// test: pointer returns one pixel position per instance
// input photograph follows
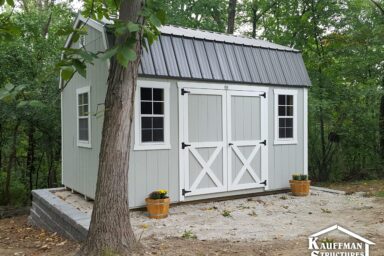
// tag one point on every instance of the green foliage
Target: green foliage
(226, 213)
(188, 234)
(29, 101)
(341, 44)
(202, 14)
(126, 32)
(299, 177)
(159, 194)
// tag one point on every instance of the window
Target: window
(285, 116)
(152, 115)
(83, 117)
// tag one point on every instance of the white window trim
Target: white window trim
(152, 145)
(82, 143)
(282, 141)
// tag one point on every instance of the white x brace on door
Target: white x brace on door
(223, 140)
(247, 140)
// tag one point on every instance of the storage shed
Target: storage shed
(216, 115)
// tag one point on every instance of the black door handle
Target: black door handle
(230, 144)
(183, 145)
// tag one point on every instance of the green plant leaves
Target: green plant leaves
(11, 3)
(133, 27)
(125, 54)
(109, 53)
(67, 73)
(31, 103)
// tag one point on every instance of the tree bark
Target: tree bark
(11, 165)
(31, 155)
(231, 16)
(254, 21)
(110, 230)
(1, 146)
(381, 126)
(51, 161)
(38, 170)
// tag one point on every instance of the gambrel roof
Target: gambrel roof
(191, 54)
(201, 55)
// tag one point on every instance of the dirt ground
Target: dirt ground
(260, 218)
(19, 239)
(268, 225)
(370, 187)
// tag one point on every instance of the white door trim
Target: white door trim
(233, 149)
(184, 153)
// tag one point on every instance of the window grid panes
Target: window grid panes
(83, 114)
(285, 116)
(152, 114)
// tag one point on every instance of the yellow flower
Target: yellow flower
(163, 191)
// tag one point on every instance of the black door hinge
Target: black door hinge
(183, 191)
(183, 91)
(264, 142)
(264, 182)
(263, 95)
(183, 145)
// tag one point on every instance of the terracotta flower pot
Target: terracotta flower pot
(300, 187)
(157, 208)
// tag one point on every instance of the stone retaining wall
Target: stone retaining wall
(53, 214)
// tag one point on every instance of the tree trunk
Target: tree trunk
(38, 170)
(51, 161)
(110, 230)
(323, 172)
(231, 16)
(31, 155)
(11, 165)
(1, 146)
(254, 21)
(381, 126)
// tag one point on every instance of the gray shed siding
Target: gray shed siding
(155, 169)
(80, 164)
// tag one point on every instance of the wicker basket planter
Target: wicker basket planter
(158, 204)
(157, 208)
(300, 187)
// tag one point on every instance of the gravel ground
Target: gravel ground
(263, 218)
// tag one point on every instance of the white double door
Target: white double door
(223, 137)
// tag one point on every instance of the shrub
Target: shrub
(297, 176)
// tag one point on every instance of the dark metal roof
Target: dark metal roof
(201, 55)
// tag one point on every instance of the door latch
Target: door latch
(264, 182)
(264, 95)
(183, 145)
(183, 91)
(264, 142)
(183, 191)
(230, 144)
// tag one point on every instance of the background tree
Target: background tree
(29, 99)
(203, 14)
(231, 16)
(341, 48)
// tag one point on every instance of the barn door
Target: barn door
(247, 139)
(203, 146)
